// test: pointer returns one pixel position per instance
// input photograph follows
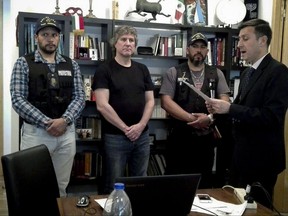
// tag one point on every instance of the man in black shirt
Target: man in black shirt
(125, 99)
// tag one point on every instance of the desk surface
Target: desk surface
(67, 205)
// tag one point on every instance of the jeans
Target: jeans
(62, 150)
(121, 153)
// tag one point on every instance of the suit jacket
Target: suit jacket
(258, 119)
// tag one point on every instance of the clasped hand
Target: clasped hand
(134, 131)
(202, 121)
(56, 127)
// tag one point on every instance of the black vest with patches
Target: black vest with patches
(50, 92)
(186, 97)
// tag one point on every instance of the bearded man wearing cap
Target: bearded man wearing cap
(191, 122)
(47, 92)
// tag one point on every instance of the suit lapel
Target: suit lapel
(256, 75)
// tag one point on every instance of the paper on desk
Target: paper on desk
(101, 202)
(218, 207)
(204, 96)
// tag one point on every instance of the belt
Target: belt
(27, 122)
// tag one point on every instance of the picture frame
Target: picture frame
(196, 12)
(84, 133)
(152, 138)
(156, 79)
(252, 9)
(83, 53)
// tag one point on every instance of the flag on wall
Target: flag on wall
(77, 19)
(199, 18)
(180, 8)
(77, 24)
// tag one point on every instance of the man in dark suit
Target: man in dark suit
(258, 114)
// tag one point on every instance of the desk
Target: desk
(67, 205)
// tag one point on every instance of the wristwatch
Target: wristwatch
(67, 120)
(210, 116)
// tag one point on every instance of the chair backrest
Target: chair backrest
(30, 182)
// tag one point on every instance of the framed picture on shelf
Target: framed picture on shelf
(83, 53)
(196, 12)
(84, 133)
(156, 79)
(152, 138)
(252, 9)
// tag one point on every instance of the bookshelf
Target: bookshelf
(223, 48)
(168, 42)
(88, 163)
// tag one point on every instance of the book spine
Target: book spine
(209, 55)
(71, 45)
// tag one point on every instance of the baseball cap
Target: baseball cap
(46, 22)
(197, 36)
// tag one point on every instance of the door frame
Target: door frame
(280, 31)
(277, 49)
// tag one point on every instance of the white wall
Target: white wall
(102, 9)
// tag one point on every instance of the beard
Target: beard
(48, 49)
(196, 60)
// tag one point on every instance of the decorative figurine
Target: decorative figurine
(57, 11)
(149, 7)
(90, 15)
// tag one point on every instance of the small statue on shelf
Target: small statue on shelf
(150, 7)
(84, 133)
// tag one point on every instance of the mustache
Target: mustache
(199, 53)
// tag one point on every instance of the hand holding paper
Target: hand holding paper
(218, 106)
(205, 97)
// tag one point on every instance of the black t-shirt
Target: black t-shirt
(127, 86)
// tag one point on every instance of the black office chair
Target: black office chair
(30, 181)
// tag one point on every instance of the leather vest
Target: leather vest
(186, 97)
(190, 100)
(50, 92)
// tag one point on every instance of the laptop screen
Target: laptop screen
(161, 195)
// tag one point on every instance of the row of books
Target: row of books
(158, 111)
(236, 55)
(87, 165)
(174, 45)
(235, 52)
(216, 51)
(87, 46)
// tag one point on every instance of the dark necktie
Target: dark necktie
(246, 80)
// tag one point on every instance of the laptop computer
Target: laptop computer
(161, 195)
